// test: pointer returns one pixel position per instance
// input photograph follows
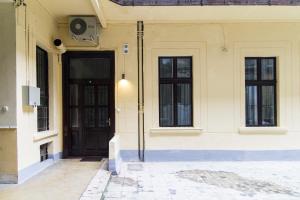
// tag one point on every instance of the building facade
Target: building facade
(197, 84)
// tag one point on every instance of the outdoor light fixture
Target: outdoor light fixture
(123, 76)
(123, 82)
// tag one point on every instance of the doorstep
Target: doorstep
(98, 184)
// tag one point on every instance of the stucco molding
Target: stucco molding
(44, 135)
(184, 131)
(263, 130)
(282, 51)
(196, 49)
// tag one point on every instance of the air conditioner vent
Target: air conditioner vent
(83, 28)
(78, 26)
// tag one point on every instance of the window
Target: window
(175, 91)
(42, 83)
(260, 76)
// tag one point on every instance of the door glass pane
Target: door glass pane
(89, 117)
(184, 66)
(166, 105)
(89, 95)
(74, 95)
(166, 68)
(267, 69)
(90, 68)
(251, 106)
(184, 105)
(103, 117)
(74, 116)
(268, 105)
(251, 69)
(102, 95)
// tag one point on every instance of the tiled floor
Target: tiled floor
(206, 181)
(65, 180)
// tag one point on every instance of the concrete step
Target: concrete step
(98, 184)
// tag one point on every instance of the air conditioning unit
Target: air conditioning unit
(83, 28)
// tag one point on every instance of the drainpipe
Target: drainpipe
(140, 57)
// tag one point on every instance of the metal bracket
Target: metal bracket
(18, 3)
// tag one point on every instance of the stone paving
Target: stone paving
(96, 187)
(206, 181)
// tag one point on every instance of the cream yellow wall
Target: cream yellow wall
(218, 82)
(40, 30)
(113, 38)
(8, 154)
(8, 64)
(8, 141)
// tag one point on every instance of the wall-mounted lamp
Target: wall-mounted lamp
(123, 76)
(123, 82)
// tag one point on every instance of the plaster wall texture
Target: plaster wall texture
(8, 141)
(218, 79)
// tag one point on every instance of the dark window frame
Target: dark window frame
(175, 81)
(259, 83)
(42, 110)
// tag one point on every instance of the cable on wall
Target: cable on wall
(224, 47)
(18, 4)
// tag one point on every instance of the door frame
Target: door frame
(65, 92)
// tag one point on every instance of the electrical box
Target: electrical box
(31, 96)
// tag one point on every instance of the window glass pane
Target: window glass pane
(251, 69)
(42, 71)
(42, 83)
(267, 69)
(74, 95)
(89, 117)
(89, 98)
(103, 117)
(89, 68)
(102, 95)
(184, 105)
(74, 117)
(166, 105)
(184, 67)
(166, 68)
(44, 101)
(42, 113)
(268, 106)
(251, 106)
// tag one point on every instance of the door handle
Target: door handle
(108, 122)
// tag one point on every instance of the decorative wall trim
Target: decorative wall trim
(263, 130)
(44, 135)
(8, 178)
(56, 156)
(8, 127)
(204, 2)
(186, 131)
(282, 51)
(32, 170)
(213, 155)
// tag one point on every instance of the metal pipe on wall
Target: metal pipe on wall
(140, 57)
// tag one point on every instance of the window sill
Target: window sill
(263, 130)
(176, 131)
(44, 135)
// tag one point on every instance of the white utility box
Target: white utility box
(31, 96)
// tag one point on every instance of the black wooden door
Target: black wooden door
(88, 103)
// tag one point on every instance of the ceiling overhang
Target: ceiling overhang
(204, 2)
